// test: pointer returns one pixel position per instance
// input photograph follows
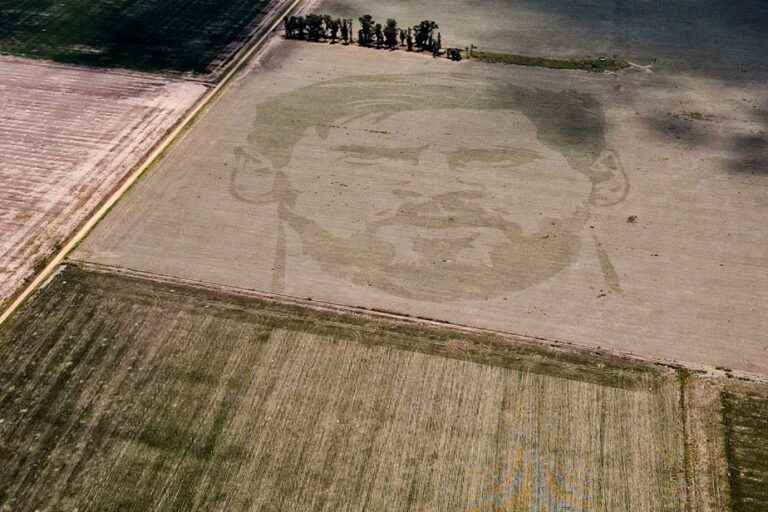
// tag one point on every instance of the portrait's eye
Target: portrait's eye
(364, 160)
(375, 155)
(261, 171)
(248, 163)
(493, 158)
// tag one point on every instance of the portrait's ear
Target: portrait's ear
(250, 177)
(610, 184)
(252, 161)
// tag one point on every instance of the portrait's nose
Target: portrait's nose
(434, 161)
(433, 158)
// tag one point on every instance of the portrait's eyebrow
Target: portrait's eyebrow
(507, 156)
(410, 155)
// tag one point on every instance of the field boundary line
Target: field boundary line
(700, 370)
(246, 53)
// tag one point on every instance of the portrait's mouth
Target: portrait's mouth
(436, 219)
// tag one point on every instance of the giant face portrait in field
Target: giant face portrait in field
(436, 188)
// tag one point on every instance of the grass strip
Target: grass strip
(595, 65)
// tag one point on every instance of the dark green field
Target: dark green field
(746, 445)
(152, 35)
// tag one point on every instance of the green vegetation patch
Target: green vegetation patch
(746, 446)
(595, 65)
(149, 35)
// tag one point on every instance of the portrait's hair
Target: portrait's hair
(568, 122)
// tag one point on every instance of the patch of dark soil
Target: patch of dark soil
(746, 444)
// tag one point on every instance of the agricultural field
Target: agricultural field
(147, 35)
(710, 38)
(121, 392)
(68, 136)
(379, 280)
(621, 210)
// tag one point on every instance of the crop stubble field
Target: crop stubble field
(67, 138)
(123, 392)
(150, 35)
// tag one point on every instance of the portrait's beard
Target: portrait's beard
(445, 248)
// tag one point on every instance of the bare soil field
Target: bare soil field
(147, 35)
(120, 392)
(616, 210)
(67, 138)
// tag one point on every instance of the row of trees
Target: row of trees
(316, 27)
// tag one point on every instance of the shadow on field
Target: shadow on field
(712, 38)
(685, 128)
(746, 150)
(751, 154)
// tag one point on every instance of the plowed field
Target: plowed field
(67, 137)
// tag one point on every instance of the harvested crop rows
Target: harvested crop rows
(67, 138)
(138, 34)
(124, 393)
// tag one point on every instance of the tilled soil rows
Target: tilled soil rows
(67, 137)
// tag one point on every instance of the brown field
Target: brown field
(123, 393)
(67, 137)
(487, 195)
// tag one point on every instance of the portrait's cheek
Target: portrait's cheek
(331, 205)
(549, 190)
(348, 191)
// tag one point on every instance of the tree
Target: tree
(379, 35)
(344, 32)
(390, 34)
(315, 28)
(423, 34)
(333, 26)
(436, 45)
(299, 24)
(365, 35)
(294, 27)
